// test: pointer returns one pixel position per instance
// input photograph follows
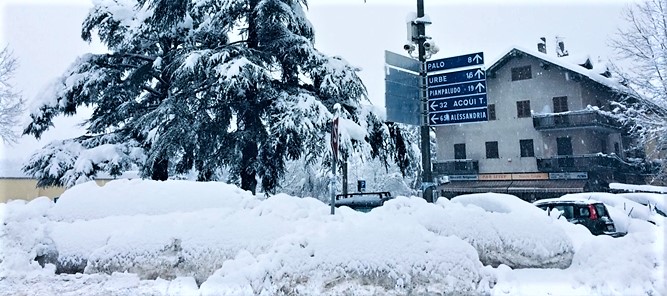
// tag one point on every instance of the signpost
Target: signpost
(461, 61)
(458, 103)
(476, 74)
(456, 96)
(457, 90)
(418, 93)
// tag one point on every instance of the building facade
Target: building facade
(548, 132)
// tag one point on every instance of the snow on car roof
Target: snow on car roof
(566, 200)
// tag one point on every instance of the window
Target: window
(492, 111)
(523, 109)
(492, 150)
(560, 104)
(459, 151)
(603, 146)
(617, 149)
(527, 149)
(564, 145)
(564, 150)
(521, 73)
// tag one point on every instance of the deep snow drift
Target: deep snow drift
(135, 237)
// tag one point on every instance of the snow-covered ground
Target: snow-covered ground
(135, 237)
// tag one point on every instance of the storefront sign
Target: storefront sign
(530, 176)
(494, 177)
(569, 176)
(463, 178)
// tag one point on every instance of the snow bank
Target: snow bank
(173, 236)
(180, 229)
(133, 197)
(336, 258)
(513, 232)
(656, 201)
(24, 236)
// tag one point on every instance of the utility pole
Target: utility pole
(427, 175)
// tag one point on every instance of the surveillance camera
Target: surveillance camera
(434, 49)
(409, 47)
(428, 44)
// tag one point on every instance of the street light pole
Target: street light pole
(427, 176)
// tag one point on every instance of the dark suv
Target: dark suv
(591, 214)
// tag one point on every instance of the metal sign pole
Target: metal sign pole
(427, 176)
(334, 158)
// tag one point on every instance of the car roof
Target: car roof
(580, 201)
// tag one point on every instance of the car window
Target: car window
(584, 212)
(601, 210)
(567, 211)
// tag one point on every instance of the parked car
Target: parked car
(589, 213)
(363, 201)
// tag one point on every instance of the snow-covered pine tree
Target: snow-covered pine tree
(203, 85)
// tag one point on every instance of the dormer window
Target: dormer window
(521, 73)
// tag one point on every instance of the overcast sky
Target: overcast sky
(44, 35)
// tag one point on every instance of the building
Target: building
(16, 185)
(547, 134)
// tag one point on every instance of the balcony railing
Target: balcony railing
(588, 163)
(456, 167)
(577, 119)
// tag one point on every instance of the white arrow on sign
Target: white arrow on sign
(477, 58)
(433, 118)
(479, 74)
(433, 104)
(479, 87)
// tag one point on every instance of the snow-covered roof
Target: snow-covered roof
(638, 188)
(574, 64)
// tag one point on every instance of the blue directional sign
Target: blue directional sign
(457, 90)
(458, 116)
(456, 77)
(449, 104)
(466, 60)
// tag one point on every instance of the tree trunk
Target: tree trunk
(248, 169)
(160, 170)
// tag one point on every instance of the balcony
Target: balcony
(456, 167)
(586, 163)
(577, 119)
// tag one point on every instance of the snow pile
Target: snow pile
(336, 259)
(182, 229)
(19, 246)
(658, 202)
(189, 238)
(517, 234)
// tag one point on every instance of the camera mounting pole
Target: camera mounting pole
(427, 175)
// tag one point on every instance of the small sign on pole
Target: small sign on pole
(334, 138)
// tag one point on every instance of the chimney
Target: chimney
(560, 50)
(542, 46)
